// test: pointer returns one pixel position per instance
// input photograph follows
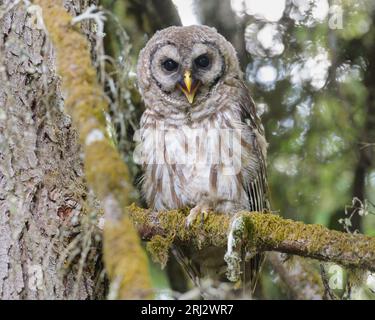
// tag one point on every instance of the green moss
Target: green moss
(212, 231)
(125, 262)
(159, 247)
(271, 231)
(105, 171)
(263, 232)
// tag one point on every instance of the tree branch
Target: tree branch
(264, 232)
(299, 277)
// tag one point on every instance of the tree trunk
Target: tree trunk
(365, 146)
(49, 247)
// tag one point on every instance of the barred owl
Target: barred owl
(202, 143)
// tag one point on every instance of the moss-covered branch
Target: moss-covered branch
(105, 171)
(265, 232)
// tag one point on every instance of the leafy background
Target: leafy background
(310, 65)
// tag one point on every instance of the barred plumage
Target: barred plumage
(202, 143)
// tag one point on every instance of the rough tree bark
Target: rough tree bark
(47, 244)
(105, 171)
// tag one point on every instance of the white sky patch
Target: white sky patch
(238, 6)
(302, 5)
(266, 74)
(271, 10)
(270, 39)
(320, 9)
(312, 69)
(186, 12)
(317, 10)
(304, 109)
(347, 72)
(266, 35)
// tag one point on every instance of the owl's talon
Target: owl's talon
(204, 215)
(192, 216)
(197, 210)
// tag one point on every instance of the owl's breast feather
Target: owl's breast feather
(186, 164)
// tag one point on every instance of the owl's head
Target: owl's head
(182, 66)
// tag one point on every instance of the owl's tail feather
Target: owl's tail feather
(189, 267)
(251, 273)
(210, 264)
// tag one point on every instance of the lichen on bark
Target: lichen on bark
(263, 232)
(105, 171)
(48, 246)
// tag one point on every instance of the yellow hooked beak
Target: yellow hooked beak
(189, 87)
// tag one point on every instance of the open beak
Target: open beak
(189, 86)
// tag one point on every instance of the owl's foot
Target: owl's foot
(201, 210)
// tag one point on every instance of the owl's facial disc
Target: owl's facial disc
(189, 86)
(186, 73)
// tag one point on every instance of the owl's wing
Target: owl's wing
(256, 186)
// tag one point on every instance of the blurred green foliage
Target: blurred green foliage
(311, 71)
(317, 108)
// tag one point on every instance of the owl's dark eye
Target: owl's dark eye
(202, 61)
(170, 65)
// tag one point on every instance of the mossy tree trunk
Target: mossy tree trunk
(49, 247)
